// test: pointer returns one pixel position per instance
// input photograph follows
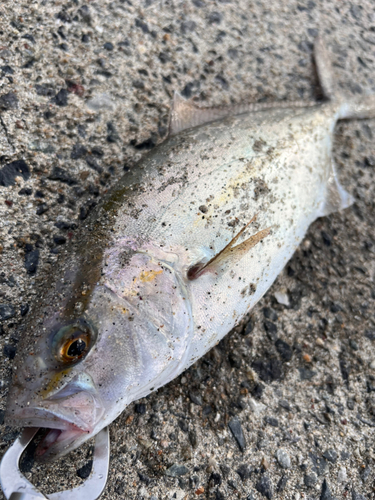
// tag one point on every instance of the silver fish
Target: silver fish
(174, 257)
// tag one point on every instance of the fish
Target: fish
(176, 254)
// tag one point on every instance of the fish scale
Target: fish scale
(174, 257)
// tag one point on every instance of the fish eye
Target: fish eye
(72, 342)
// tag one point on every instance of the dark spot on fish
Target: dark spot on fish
(258, 145)
(260, 189)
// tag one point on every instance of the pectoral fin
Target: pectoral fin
(230, 254)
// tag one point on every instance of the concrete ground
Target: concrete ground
(85, 89)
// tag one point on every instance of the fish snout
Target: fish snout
(76, 406)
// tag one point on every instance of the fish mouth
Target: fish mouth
(69, 416)
(56, 443)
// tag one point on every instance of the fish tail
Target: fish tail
(349, 107)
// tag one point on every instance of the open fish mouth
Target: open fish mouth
(69, 416)
(55, 442)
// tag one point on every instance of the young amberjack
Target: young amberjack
(174, 257)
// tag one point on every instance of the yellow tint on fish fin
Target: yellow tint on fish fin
(230, 254)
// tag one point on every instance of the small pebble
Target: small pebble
(7, 311)
(342, 475)
(310, 479)
(326, 492)
(283, 458)
(236, 429)
(264, 486)
(176, 470)
(330, 455)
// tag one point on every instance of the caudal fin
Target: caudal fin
(350, 107)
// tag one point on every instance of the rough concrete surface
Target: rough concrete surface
(85, 88)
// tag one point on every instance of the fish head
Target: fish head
(81, 365)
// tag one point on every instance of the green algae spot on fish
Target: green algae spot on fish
(174, 257)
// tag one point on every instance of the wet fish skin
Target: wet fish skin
(122, 296)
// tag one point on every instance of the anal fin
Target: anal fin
(230, 254)
(336, 196)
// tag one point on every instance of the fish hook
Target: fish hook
(16, 487)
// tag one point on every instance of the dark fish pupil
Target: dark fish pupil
(76, 348)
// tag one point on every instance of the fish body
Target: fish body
(168, 264)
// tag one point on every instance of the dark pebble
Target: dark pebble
(196, 398)
(12, 170)
(270, 313)
(357, 496)
(45, 90)
(354, 345)
(85, 38)
(249, 327)
(330, 455)
(234, 360)
(108, 46)
(310, 479)
(319, 464)
(78, 151)
(285, 404)
(59, 174)
(61, 98)
(24, 309)
(25, 191)
(282, 484)
(190, 89)
(183, 425)
(344, 369)
(9, 351)
(193, 438)
(188, 26)
(244, 471)
(138, 84)
(306, 373)
(8, 101)
(7, 311)
(284, 349)
(326, 492)
(326, 238)
(85, 470)
(264, 486)
(42, 208)
(215, 479)
(271, 421)
(31, 260)
(97, 151)
(7, 70)
(268, 369)
(271, 330)
(140, 408)
(206, 410)
(92, 163)
(2, 415)
(215, 18)
(112, 133)
(141, 24)
(59, 240)
(236, 429)
(144, 478)
(65, 225)
(176, 470)
(370, 334)
(365, 474)
(345, 455)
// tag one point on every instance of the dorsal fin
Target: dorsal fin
(230, 253)
(185, 114)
